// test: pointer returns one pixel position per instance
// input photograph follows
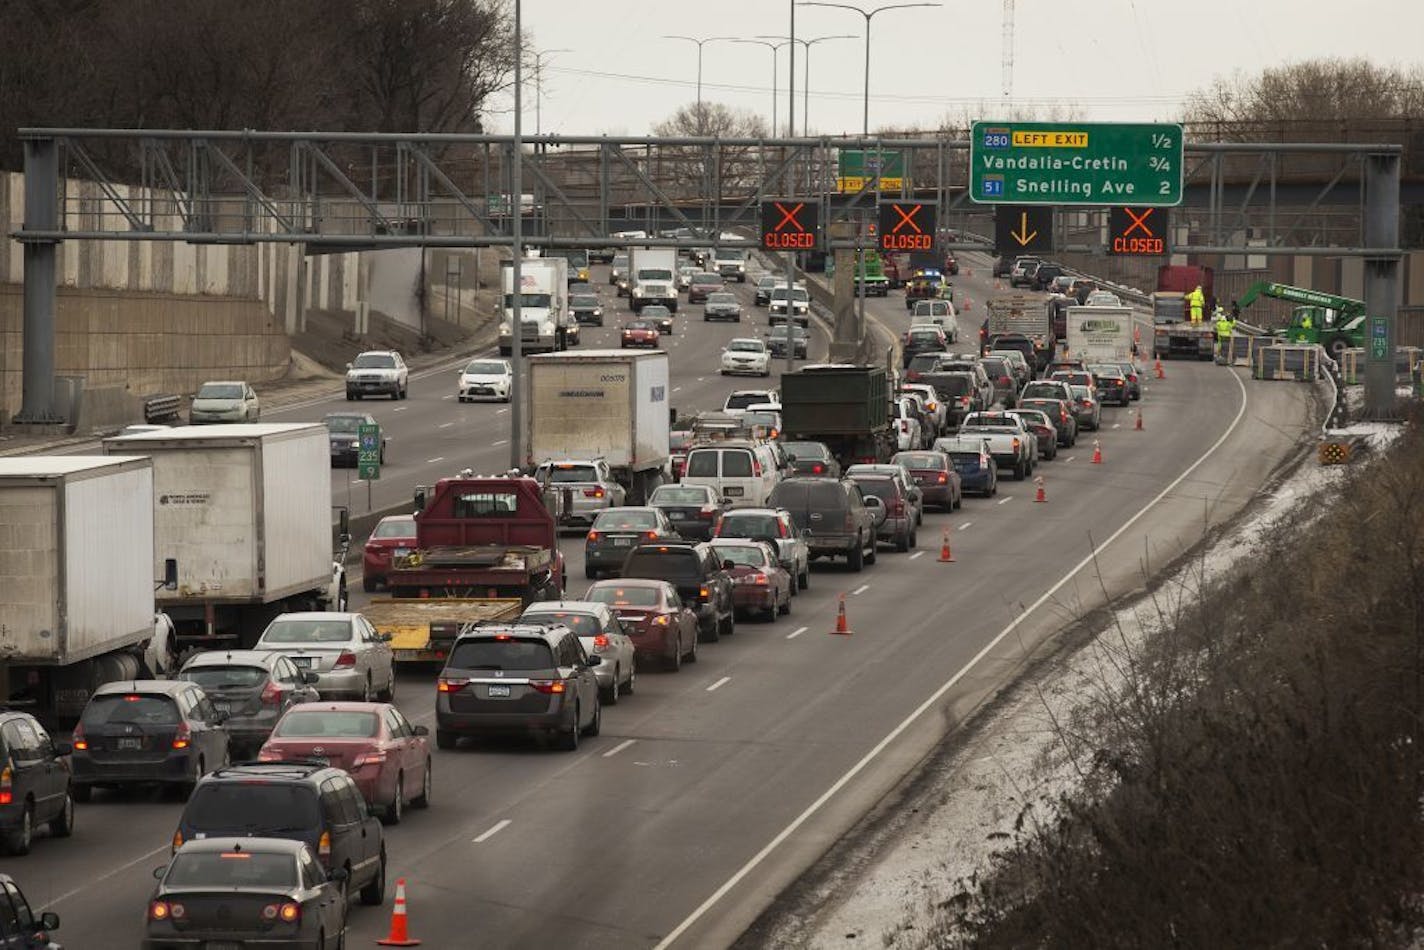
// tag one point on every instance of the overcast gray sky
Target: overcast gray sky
(1112, 60)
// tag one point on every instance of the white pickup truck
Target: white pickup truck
(1011, 443)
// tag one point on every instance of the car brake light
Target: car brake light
(450, 685)
(897, 506)
(77, 739)
(592, 536)
(346, 659)
(650, 535)
(708, 512)
(374, 757)
(159, 910)
(817, 469)
(183, 737)
(964, 401)
(933, 406)
(1016, 445)
(703, 593)
(943, 479)
(756, 469)
(662, 620)
(593, 492)
(289, 912)
(177, 839)
(7, 794)
(323, 846)
(547, 686)
(600, 642)
(271, 694)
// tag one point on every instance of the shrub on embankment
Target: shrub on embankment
(1253, 778)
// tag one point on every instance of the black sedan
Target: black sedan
(812, 458)
(659, 316)
(692, 509)
(219, 892)
(776, 341)
(342, 428)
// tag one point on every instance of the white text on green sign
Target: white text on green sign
(1081, 163)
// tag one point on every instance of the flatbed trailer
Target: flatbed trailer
(423, 631)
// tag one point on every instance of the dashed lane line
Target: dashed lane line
(860, 590)
(495, 829)
(917, 554)
(719, 684)
(796, 633)
(1006, 499)
(965, 525)
(618, 748)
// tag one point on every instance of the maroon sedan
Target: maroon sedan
(933, 471)
(660, 625)
(640, 333)
(759, 583)
(387, 756)
(394, 536)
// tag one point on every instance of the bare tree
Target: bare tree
(689, 169)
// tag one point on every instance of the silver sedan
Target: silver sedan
(598, 629)
(350, 659)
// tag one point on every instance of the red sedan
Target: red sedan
(640, 333)
(394, 536)
(387, 756)
(759, 583)
(660, 625)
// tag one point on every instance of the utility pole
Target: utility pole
(791, 182)
(516, 272)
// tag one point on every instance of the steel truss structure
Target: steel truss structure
(333, 192)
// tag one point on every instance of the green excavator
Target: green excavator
(1336, 323)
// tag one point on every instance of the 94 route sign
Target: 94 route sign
(1075, 163)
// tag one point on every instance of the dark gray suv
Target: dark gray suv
(518, 679)
(34, 783)
(840, 519)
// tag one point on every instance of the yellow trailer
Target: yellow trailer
(423, 630)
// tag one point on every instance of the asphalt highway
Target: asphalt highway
(709, 790)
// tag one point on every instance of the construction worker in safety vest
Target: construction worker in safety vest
(1223, 330)
(1196, 300)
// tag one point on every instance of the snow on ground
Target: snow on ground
(1015, 757)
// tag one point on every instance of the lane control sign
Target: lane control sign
(906, 226)
(790, 224)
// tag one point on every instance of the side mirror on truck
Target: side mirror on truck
(170, 573)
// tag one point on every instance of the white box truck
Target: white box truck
(1099, 334)
(245, 510)
(76, 580)
(652, 273)
(609, 404)
(544, 305)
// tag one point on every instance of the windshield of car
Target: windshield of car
(582, 624)
(928, 334)
(706, 278)
(671, 565)
(679, 495)
(743, 400)
(374, 361)
(767, 419)
(224, 869)
(749, 526)
(1081, 392)
(954, 385)
(486, 368)
(1045, 406)
(721, 297)
(656, 310)
(729, 254)
(780, 331)
(995, 366)
(882, 488)
(920, 460)
(307, 631)
(328, 724)
(218, 677)
(1033, 416)
(569, 474)
(253, 806)
(745, 555)
(638, 325)
(807, 450)
(798, 295)
(936, 308)
(219, 391)
(624, 596)
(344, 423)
(625, 520)
(529, 301)
(620, 261)
(767, 281)
(1052, 389)
(482, 653)
(130, 708)
(396, 527)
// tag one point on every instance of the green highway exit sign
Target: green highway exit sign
(1075, 163)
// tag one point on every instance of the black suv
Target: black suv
(522, 678)
(19, 927)
(34, 783)
(696, 571)
(838, 518)
(304, 800)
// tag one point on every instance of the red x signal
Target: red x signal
(789, 216)
(1138, 221)
(906, 217)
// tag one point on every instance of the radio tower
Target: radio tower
(1007, 80)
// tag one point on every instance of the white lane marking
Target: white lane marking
(1117, 425)
(1070, 458)
(108, 874)
(965, 525)
(796, 633)
(719, 684)
(618, 748)
(451, 396)
(938, 694)
(502, 412)
(398, 409)
(499, 826)
(677, 389)
(438, 458)
(860, 590)
(917, 554)
(444, 425)
(499, 442)
(1006, 499)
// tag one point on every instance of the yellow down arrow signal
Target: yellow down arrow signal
(1023, 235)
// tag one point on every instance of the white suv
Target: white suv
(377, 373)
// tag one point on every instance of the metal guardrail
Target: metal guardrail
(162, 407)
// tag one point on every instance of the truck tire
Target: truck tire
(856, 559)
(873, 553)
(902, 542)
(1019, 471)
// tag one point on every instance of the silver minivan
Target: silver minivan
(742, 472)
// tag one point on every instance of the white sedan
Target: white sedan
(485, 379)
(746, 355)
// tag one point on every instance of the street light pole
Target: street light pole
(516, 274)
(539, 86)
(775, 49)
(869, 15)
(702, 41)
(806, 74)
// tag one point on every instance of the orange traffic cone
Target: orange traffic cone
(945, 554)
(1097, 452)
(1158, 369)
(399, 937)
(1041, 495)
(842, 628)
(1138, 426)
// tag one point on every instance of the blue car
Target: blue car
(972, 460)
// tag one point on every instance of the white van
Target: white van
(939, 312)
(742, 472)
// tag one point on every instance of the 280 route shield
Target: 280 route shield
(790, 224)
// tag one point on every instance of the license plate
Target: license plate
(732, 490)
(498, 691)
(400, 552)
(631, 618)
(677, 515)
(303, 661)
(621, 542)
(127, 743)
(222, 707)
